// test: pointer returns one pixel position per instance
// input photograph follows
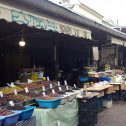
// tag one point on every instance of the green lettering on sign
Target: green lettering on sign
(30, 20)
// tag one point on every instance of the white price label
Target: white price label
(15, 91)
(1, 94)
(51, 86)
(65, 82)
(75, 86)
(60, 89)
(11, 103)
(67, 87)
(53, 91)
(58, 83)
(47, 78)
(44, 94)
(43, 88)
(26, 89)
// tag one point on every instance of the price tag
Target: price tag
(15, 91)
(51, 86)
(65, 82)
(1, 94)
(11, 103)
(75, 86)
(58, 83)
(60, 89)
(53, 91)
(43, 88)
(47, 78)
(44, 94)
(67, 87)
(26, 89)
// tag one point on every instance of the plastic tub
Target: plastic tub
(1, 120)
(48, 103)
(64, 99)
(9, 120)
(71, 96)
(27, 113)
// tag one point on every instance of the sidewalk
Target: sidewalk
(115, 116)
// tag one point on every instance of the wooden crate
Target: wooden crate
(123, 86)
(115, 87)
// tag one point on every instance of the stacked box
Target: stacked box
(116, 96)
(100, 104)
(123, 95)
(108, 97)
(87, 113)
(107, 104)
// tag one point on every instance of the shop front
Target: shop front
(49, 43)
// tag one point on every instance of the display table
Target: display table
(63, 115)
(102, 90)
(117, 86)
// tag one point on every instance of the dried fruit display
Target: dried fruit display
(54, 95)
(5, 100)
(15, 107)
(9, 90)
(46, 98)
(30, 85)
(5, 112)
(19, 97)
(31, 95)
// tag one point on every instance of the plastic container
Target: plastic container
(108, 97)
(48, 103)
(105, 78)
(1, 120)
(64, 99)
(27, 113)
(9, 120)
(107, 104)
(71, 96)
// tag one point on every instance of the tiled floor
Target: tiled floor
(115, 116)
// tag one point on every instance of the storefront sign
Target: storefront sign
(117, 41)
(40, 22)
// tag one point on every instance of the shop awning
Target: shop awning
(22, 17)
(117, 41)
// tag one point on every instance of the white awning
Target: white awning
(11, 14)
(117, 41)
(124, 43)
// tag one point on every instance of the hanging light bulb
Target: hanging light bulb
(22, 42)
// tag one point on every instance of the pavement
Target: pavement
(115, 116)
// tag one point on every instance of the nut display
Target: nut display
(19, 97)
(30, 85)
(54, 95)
(5, 112)
(9, 90)
(15, 108)
(31, 95)
(46, 98)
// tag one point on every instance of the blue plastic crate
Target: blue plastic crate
(48, 103)
(105, 78)
(1, 120)
(26, 113)
(99, 102)
(9, 120)
(108, 97)
(83, 79)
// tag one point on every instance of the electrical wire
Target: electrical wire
(10, 36)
